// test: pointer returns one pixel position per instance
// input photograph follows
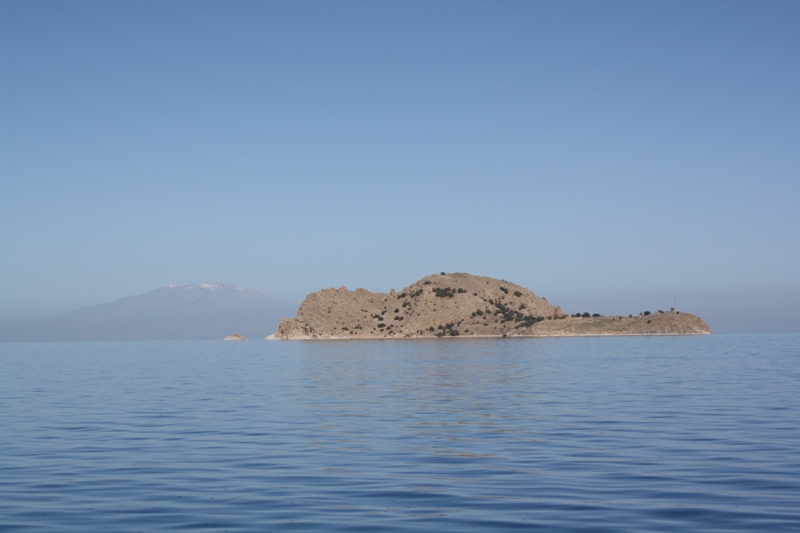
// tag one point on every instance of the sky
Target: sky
(613, 156)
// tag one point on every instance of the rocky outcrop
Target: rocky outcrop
(461, 305)
(237, 337)
(670, 323)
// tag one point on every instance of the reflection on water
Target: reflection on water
(599, 434)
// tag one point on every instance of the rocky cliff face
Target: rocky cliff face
(457, 305)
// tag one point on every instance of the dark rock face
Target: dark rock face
(176, 312)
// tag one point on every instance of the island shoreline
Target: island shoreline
(460, 305)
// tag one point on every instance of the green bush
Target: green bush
(529, 320)
(504, 290)
(517, 294)
(444, 292)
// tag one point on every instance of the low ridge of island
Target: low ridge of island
(462, 305)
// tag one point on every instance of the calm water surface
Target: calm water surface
(573, 434)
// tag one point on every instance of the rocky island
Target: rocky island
(462, 305)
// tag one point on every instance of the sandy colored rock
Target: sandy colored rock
(460, 305)
(237, 337)
(672, 323)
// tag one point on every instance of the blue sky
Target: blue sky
(611, 156)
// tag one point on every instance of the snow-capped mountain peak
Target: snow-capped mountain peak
(209, 286)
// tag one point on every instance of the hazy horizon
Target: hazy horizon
(769, 313)
(613, 157)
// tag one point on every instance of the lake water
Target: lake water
(563, 434)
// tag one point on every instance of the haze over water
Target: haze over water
(568, 434)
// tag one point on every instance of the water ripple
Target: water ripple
(594, 434)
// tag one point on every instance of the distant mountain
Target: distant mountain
(463, 305)
(174, 312)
